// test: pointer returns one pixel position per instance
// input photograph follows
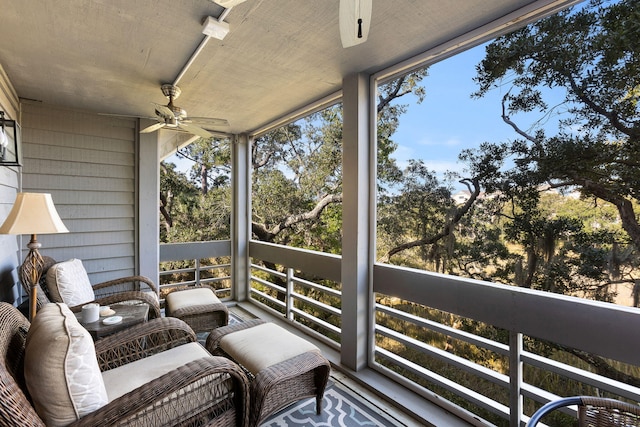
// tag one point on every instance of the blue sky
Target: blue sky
(449, 120)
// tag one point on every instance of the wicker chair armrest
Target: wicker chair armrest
(213, 340)
(145, 297)
(613, 404)
(128, 279)
(198, 380)
(591, 410)
(142, 340)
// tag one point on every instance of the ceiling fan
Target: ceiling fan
(172, 117)
(355, 19)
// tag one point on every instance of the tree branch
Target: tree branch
(268, 235)
(507, 120)
(448, 227)
(395, 93)
(625, 207)
(610, 115)
(163, 210)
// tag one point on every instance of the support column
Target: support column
(148, 189)
(240, 216)
(356, 220)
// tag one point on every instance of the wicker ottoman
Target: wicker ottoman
(282, 367)
(199, 307)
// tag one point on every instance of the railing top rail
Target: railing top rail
(597, 327)
(327, 266)
(194, 250)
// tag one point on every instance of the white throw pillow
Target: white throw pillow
(60, 367)
(68, 282)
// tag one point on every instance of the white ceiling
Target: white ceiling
(111, 56)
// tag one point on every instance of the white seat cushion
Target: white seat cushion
(68, 282)
(190, 297)
(61, 369)
(264, 345)
(126, 378)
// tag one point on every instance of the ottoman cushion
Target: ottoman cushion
(191, 297)
(264, 345)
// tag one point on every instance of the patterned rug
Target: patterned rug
(340, 408)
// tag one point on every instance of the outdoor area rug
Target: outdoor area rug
(340, 408)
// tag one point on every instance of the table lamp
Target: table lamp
(33, 213)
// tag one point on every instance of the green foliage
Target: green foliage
(418, 208)
(591, 55)
(295, 169)
(198, 209)
(558, 212)
(212, 163)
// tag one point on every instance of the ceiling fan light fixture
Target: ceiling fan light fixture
(228, 4)
(214, 28)
(355, 19)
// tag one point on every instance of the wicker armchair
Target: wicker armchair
(130, 288)
(593, 412)
(209, 391)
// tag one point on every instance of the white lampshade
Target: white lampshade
(33, 213)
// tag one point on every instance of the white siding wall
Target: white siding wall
(88, 164)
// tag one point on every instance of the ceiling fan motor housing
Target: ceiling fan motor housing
(170, 91)
(178, 112)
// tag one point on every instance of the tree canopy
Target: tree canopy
(593, 55)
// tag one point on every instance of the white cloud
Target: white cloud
(404, 153)
(428, 142)
(441, 166)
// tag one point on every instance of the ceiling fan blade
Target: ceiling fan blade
(355, 19)
(196, 130)
(206, 121)
(164, 111)
(127, 116)
(152, 128)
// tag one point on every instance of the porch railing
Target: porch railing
(196, 266)
(569, 325)
(304, 288)
(300, 285)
